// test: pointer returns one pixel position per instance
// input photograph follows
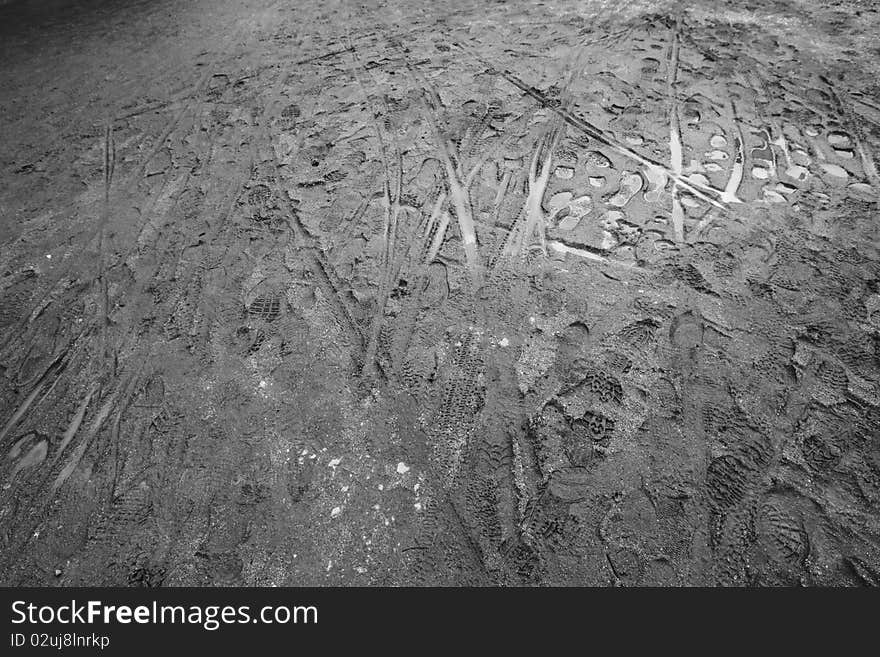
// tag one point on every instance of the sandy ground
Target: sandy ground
(525, 293)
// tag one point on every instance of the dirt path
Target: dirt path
(481, 293)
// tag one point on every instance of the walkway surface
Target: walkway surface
(326, 292)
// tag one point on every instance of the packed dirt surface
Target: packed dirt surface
(465, 293)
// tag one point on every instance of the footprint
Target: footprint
(785, 188)
(834, 170)
(657, 179)
(630, 185)
(153, 392)
(686, 331)
(797, 172)
(691, 114)
(839, 140)
(582, 205)
(569, 210)
(763, 158)
(572, 342)
(772, 196)
(688, 200)
(558, 202)
(863, 191)
(596, 159)
(800, 157)
(565, 157)
(611, 219)
(570, 222)
(699, 179)
(650, 66)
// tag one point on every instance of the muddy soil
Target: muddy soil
(465, 293)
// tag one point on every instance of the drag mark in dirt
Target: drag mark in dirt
(865, 109)
(736, 172)
(392, 209)
(390, 199)
(675, 145)
(561, 247)
(109, 167)
(436, 229)
(776, 136)
(540, 169)
(73, 427)
(49, 379)
(535, 223)
(84, 444)
(457, 181)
